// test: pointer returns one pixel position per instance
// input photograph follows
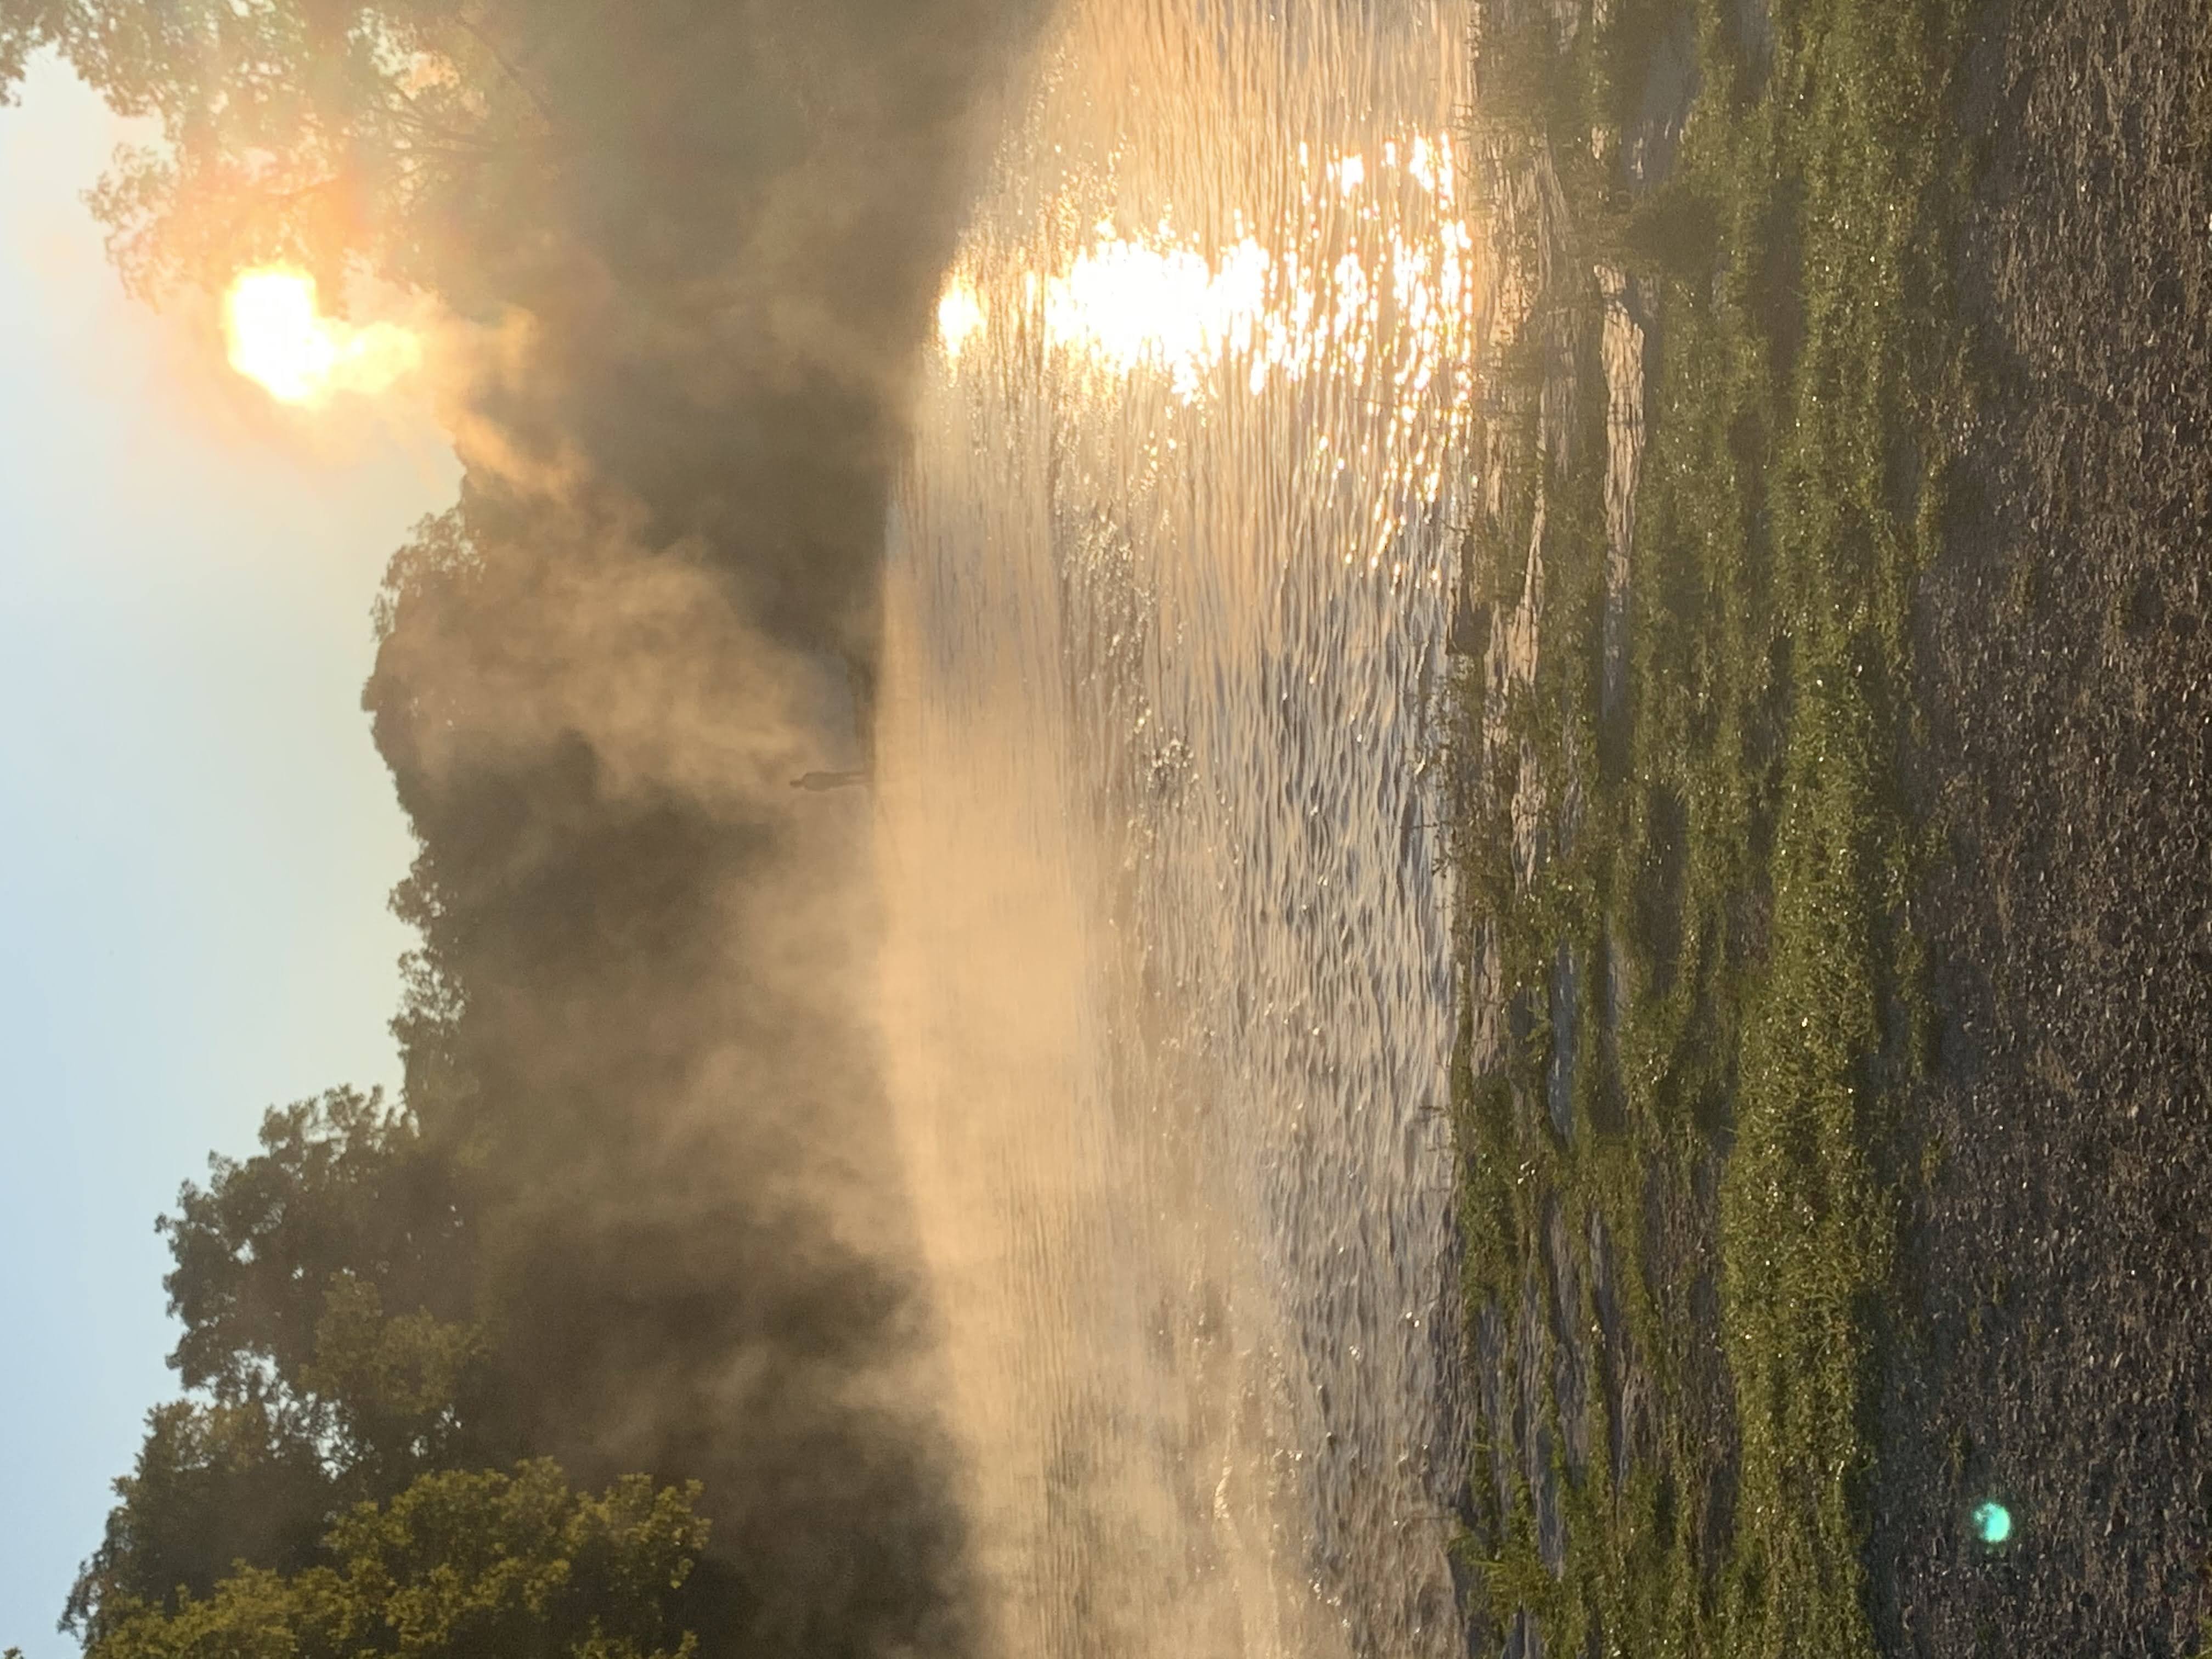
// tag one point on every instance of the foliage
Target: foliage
(458, 1566)
(213, 1485)
(439, 555)
(317, 134)
(19, 37)
(343, 1189)
(323, 1286)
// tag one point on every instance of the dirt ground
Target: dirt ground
(2058, 1279)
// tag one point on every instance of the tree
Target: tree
(343, 1191)
(324, 133)
(479, 1565)
(213, 1485)
(324, 1287)
(19, 38)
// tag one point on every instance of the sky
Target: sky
(196, 838)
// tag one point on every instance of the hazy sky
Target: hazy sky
(196, 836)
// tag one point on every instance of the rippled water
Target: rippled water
(1168, 988)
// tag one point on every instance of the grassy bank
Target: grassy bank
(1687, 878)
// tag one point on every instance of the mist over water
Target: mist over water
(1168, 987)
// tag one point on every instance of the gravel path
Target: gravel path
(2061, 1252)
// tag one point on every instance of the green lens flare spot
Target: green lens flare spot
(1993, 1522)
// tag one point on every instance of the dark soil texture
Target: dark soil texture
(2057, 1279)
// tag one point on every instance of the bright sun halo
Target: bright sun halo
(280, 340)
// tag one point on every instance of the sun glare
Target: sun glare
(1358, 276)
(280, 340)
(1394, 287)
(959, 317)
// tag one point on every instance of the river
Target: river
(1169, 987)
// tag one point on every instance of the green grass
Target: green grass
(1743, 849)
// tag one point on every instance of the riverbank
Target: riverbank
(1835, 721)
(1726, 384)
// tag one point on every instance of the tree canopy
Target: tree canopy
(315, 132)
(459, 1565)
(342, 1201)
(323, 1286)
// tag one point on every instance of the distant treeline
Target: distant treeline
(695, 245)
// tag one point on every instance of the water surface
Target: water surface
(1170, 984)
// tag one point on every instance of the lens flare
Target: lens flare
(280, 340)
(1994, 1522)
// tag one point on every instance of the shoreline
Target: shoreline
(1734, 1305)
(1833, 815)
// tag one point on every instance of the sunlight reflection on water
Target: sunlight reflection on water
(1169, 987)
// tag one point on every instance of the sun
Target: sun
(280, 340)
